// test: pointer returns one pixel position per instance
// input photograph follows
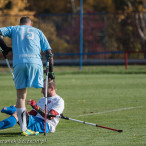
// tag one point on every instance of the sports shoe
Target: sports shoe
(28, 132)
(9, 110)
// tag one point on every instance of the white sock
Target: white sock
(21, 113)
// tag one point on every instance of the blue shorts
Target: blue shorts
(37, 124)
(28, 75)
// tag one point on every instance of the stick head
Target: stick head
(120, 130)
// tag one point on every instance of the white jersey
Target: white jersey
(53, 103)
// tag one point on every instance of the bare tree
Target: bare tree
(140, 20)
(75, 8)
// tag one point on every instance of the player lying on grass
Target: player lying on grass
(35, 118)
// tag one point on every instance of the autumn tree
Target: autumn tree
(11, 11)
(53, 6)
(132, 20)
(12, 8)
(125, 20)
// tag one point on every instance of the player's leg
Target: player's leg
(37, 124)
(21, 113)
(29, 131)
(9, 110)
(21, 97)
(20, 85)
(34, 79)
(21, 109)
(9, 122)
(25, 78)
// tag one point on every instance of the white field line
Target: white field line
(110, 111)
(9, 129)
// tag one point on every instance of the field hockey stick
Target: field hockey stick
(46, 87)
(8, 64)
(83, 122)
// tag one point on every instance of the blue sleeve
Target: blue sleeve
(44, 42)
(6, 31)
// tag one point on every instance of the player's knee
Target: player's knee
(15, 115)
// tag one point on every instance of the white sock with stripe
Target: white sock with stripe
(21, 113)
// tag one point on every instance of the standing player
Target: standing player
(36, 120)
(27, 43)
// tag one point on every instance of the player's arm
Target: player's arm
(45, 46)
(5, 49)
(32, 112)
(41, 111)
(49, 57)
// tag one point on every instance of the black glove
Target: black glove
(51, 75)
(49, 116)
(6, 51)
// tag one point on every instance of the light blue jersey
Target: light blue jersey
(27, 43)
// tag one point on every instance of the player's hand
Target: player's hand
(33, 104)
(51, 75)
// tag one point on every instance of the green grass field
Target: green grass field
(108, 96)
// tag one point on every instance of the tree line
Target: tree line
(126, 25)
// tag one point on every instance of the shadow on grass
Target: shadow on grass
(10, 134)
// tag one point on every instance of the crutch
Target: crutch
(8, 64)
(46, 87)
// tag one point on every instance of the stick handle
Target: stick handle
(109, 128)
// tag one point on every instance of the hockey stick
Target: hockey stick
(83, 122)
(8, 64)
(46, 87)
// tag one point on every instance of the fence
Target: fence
(101, 44)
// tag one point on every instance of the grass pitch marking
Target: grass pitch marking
(12, 128)
(110, 111)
